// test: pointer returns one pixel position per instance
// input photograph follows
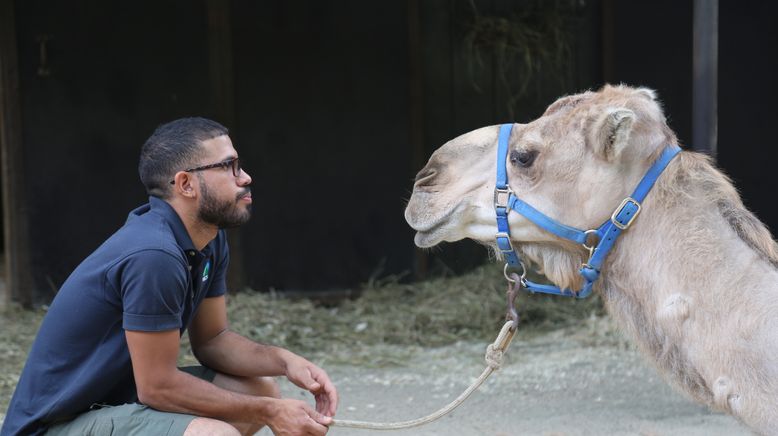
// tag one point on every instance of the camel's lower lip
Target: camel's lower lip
(425, 239)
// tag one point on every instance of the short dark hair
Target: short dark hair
(173, 147)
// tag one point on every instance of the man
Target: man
(104, 360)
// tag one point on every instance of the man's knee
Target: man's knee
(262, 387)
(208, 426)
(257, 386)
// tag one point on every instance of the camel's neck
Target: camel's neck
(693, 261)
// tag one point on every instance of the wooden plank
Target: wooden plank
(220, 60)
(705, 83)
(437, 70)
(451, 104)
(608, 35)
(480, 96)
(416, 111)
(19, 285)
(221, 73)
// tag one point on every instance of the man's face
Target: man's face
(225, 200)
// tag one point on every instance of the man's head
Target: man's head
(191, 162)
(173, 147)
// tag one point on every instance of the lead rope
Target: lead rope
(494, 354)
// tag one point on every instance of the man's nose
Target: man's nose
(244, 179)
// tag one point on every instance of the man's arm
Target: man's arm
(216, 347)
(162, 386)
(228, 352)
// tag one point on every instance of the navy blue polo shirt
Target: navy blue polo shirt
(146, 277)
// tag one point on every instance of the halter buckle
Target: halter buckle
(501, 197)
(632, 213)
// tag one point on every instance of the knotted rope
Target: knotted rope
(494, 355)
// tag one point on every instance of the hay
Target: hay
(17, 331)
(390, 318)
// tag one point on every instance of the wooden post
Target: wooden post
(705, 80)
(221, 74)
(19, 285)
(220, 66)
(608, 35)
(416, 111)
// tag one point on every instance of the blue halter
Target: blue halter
(606, 234)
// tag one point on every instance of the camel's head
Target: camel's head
(575, 164)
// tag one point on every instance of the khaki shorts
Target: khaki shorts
(130, 419)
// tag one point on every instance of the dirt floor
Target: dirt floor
(550, 385)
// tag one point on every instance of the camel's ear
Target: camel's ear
(647, 93)
(610, 132)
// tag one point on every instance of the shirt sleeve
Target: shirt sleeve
(222, 262)
(154, 287)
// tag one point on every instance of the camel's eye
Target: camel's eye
(523, 158)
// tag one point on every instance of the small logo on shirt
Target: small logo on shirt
(206, 270)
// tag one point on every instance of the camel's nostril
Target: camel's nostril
(426, 175)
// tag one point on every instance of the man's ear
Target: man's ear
(183, 184)
(610, 133)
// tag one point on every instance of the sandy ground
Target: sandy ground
(549, 385)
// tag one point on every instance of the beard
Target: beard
(225, 214)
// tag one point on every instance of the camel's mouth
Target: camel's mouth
(431, 229)
(430, 238)
(430, 234)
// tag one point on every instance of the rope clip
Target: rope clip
(515, 284)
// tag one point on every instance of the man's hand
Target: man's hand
(312, 378)
(294, 417)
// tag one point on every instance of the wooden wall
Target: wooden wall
(112, 72)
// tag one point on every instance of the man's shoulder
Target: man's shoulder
(145, 239)
(147, 232)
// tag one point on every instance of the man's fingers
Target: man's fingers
(329, 398)
(314, 428)
(319, 418)
(309, 381)
(322, 404)
(332, 398)
(316, 381)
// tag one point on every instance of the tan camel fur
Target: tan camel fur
(694, 280)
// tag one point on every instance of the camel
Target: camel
(693, 280)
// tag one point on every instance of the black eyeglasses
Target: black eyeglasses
(234, 163)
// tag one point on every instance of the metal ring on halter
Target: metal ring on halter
(521, 277)
(586, 240)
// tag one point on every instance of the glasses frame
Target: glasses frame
(234, 162)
